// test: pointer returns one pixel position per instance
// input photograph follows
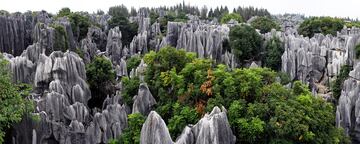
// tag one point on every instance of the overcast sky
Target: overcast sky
(339, 8)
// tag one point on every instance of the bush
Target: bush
(100, 76)
(324, 25)
(245, 43)
(273, 51)
(128, 30)
(357, 51)
(131, 135)
(264, 24)
(79, 23)
(13, 102)
(227, 17)
(130, 89)
(183, 115)
(133, 62)
(119, 11)
(61, 40)
(337, 86)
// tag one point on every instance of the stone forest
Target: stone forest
(178, 74)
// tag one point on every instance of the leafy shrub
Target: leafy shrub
(264, 24)
(338, 83)
(183, 115)
(133, 62)
(131, 135)
(227, 17)
(13, 102)
(245, 42)
(130, 89)
(61, 40)
(100, 76)
(324, 25)
(273, 51)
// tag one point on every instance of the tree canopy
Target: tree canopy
(13, 102)
(227, 17)
(324, 25)
(245, 42)
(264, 24)
(100, 76)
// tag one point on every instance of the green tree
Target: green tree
(245, 43)
(337, 86)
(131, 134)
(273, 51)
(264, 24)
(128, 30)
(100, 76)
(79, 22)
(227, 17)
(357, 51)
(13, 102)
(130, 89)
(183, 115)
(133, 62)
(324, 25)
(61, 39)
(64, 12)
(119, 11)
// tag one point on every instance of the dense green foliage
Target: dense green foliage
(128, 29)
(119, 11)
(273, 51)
(133, 62)
(79, 22)
(227, 17)
(182, 117)
(264, 24)
(61, 39)
(324, 25)
(245, 43)
(337, 86)
(130, 89)
(357, 51)
(13, 102)
(131, 134)
(100, 76)
(249, 12)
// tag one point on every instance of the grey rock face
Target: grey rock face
(213, 128)
(317, 61)
(154, 130)
(203, 39)
(114, 45)
(347, 111)
(14, 37)
(139, 44)
(144, 101)
(67, 26)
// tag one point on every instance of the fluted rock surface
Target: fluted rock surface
(114, 45)
(154, 130)
(144, 101)
(213, 128)
(317, 60)
(347, 111)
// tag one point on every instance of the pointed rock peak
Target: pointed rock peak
(154, 130)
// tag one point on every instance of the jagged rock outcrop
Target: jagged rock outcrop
(139, 44)
(114, 45)
(144, 101)
(347, 111)
(154, 130)
(317, 60)
(68, 30)
(213, 128)
(15, 35)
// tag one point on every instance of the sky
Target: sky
(335, 8)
